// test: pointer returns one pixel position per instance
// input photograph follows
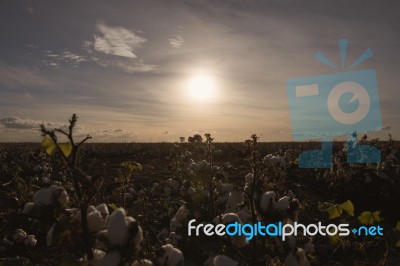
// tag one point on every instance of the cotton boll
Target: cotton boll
(63, 198)
(249, 178)
(31, 209)
(95, 221)
(309, 247)
(302, 259)
(30, 240)
(49, 237)
(235, 197)
(267, 199)
(97, 255)
(171, 257)
(90, 209)
(282, 204)
(222, 260)
(110, 259)
(103, 209)
(182, 213)
(43, 198)
(117, 229)
(136, 233)
(143, 262)
(227, 219)
(188, 154)
(19, 235)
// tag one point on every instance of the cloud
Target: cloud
(117, 41)
(13, 76)
(66, 56)
(176, 42)
(21, 123)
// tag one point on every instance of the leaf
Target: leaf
(334, 212)
(348, 207)
(337, 210)
(397, 228)
(113, 206)
(132, 165)
(398, 244)
(66, 148)
(369, 218)
(48, 145)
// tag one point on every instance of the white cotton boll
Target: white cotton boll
(90, 209)
(227, 218)
(235, 197)
(49, 237)
(249, 178)
(302, 259)
(309, 247)
(95, 221)
(182, 213)
(43, 198)
(30, 209)
(110, 259)
(143, 262)
(282, 204)
(171, 257)
(191, 190)
(138, 237)
(222, 260)
(267, 199)
(103, 209)
(30, 240)
(117, 229)
(63, 198)
(98, 254)
(19, 235)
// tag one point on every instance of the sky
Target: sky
(151, 71)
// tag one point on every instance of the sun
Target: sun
(201, 88)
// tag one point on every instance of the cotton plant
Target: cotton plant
(121, 239)
(170, 256)
(51, 197)
(21, 237)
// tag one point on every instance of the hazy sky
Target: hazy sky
(128, 68)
